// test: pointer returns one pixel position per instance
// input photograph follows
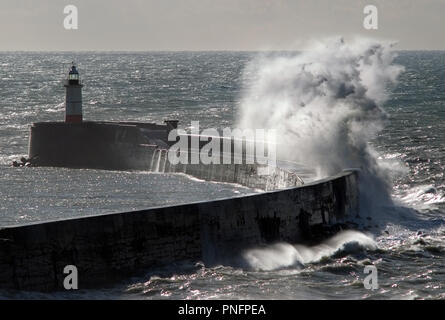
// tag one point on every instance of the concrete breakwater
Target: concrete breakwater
(140, 146)
(113, 246)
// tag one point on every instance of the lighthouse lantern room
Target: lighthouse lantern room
(73, 102)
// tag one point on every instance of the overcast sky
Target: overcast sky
(214, 24)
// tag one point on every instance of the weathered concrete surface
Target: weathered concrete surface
(112, 246)
(97, 145)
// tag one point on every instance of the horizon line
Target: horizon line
(179, 51)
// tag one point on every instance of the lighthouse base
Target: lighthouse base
(96, 145)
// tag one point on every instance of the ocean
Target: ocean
(404, 238)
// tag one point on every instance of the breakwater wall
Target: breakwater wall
(114, 246)
(142, 146)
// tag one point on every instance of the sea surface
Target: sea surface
(406, 242)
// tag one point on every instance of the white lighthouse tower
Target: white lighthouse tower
(73, 102)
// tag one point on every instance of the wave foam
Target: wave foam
(325, 105)
(285, 255)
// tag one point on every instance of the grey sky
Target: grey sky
(214, 24)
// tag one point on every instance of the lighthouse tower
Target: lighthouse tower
(73, 102)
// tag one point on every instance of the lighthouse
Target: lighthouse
(73, 102)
